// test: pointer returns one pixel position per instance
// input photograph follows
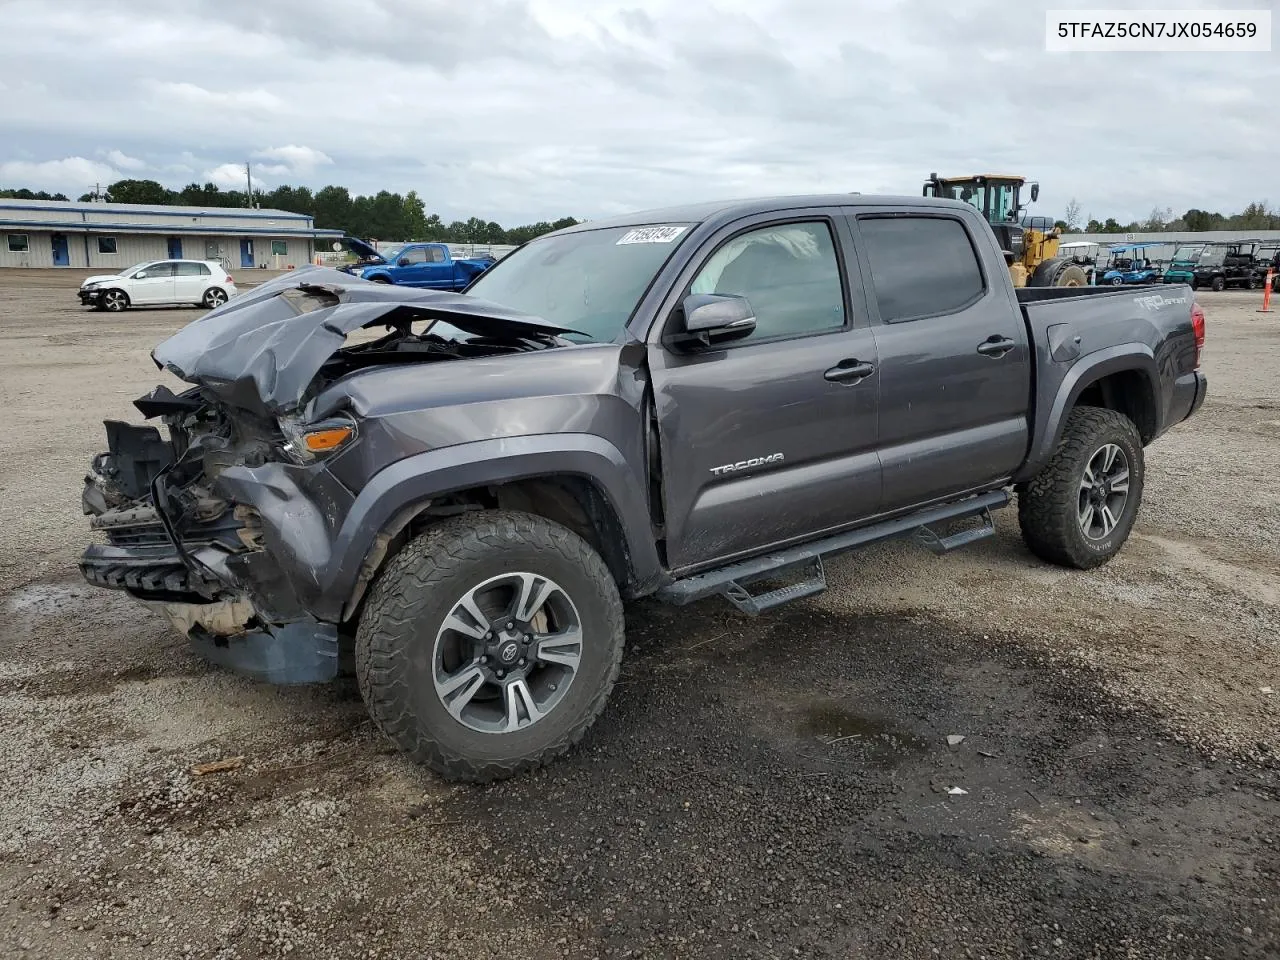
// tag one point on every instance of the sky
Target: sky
(526, 110)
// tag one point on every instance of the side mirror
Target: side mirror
(712, 319)
(1035, 192)
(402, 262)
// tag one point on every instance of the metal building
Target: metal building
(52, 233)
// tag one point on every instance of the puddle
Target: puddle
(830, 721)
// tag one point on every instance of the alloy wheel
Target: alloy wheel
(114, 300)
(507, 653)
(1104, 491)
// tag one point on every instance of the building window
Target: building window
(18, 243)
(106, 244)
(279, 248)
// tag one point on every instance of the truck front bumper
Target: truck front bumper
(252, 625)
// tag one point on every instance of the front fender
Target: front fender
(376, 275)
(325, 584)
(1052, 410)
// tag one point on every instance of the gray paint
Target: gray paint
(934, 420)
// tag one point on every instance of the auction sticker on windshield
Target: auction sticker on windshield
(651, 235)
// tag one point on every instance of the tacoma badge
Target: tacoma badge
(746, 464)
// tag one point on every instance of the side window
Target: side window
(920, 266)
(437, 254)
(189, 269)
(788, 273)
(163, 269)
(417, 255)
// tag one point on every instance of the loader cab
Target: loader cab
(998, 197)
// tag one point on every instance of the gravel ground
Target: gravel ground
(757, 788)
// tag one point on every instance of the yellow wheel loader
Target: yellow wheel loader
(1030, 244)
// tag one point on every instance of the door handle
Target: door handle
(996, 346)
(849, 371)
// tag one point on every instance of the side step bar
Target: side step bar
(731, 581)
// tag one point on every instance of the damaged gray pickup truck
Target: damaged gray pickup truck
(454, 493)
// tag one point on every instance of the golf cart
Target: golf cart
(1129, 264)
(1267, 257)
(1082, 253)
(1182, 265)
(1225, 264)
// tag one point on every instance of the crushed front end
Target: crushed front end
(174, 541)
(228, 515)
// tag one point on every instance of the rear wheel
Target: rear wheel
(1058, 272)
(1080, 509)
(115, 301)
(215, 297)
(489, 645)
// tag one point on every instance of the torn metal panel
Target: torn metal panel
(262, 350)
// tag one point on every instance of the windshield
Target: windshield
(1212, 256)
(1187, 254)
(135, 268)
(589, 281)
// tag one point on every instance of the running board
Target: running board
(754, 605)
(729, 581)
(930, 540)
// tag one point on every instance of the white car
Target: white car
(201, 282)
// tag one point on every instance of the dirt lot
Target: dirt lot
(757, 788)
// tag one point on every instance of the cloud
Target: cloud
(228, 176)
(123, 161)
(72, 175)
(189, 94)
(293, 159)
(524, 110)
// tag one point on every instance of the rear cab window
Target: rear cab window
(921, 265)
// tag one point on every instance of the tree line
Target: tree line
(1256, 216)
(381, 216)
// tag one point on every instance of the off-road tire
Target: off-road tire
(1058, 272)
(416, 591)
(1218, 285)
(1048, 509)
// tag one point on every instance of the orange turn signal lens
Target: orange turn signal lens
(322, 441)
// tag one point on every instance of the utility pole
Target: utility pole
(248, 179)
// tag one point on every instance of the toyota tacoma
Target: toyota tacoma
(452, 494)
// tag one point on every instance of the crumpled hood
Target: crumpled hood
(99, 278)
(261, 350)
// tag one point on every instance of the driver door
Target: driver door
(153, 283)
(771, 438)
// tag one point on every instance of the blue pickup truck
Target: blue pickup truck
(428, 265)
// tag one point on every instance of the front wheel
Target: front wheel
(1079, 510)
(115, 301)
(1219, 284)
(489, 645)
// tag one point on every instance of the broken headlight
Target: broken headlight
(309, 442)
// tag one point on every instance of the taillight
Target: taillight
(1197, 326)
(230, 281)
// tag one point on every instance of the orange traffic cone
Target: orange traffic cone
(1266, 292)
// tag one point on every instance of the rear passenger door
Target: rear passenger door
(771, 438)
(955, 365)
(153, 283)
(439, 268)
(190, 280)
